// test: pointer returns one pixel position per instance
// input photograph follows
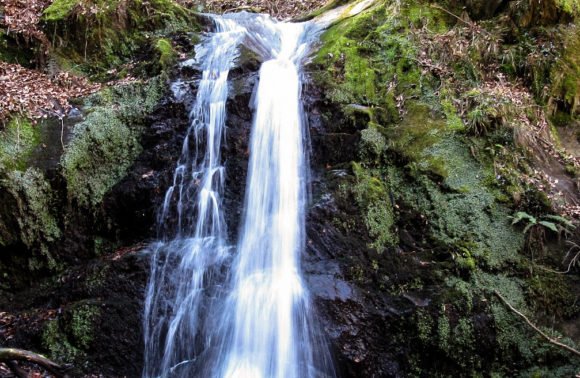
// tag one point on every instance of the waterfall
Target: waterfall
(192, 230)
(271, 336)
(216, 310)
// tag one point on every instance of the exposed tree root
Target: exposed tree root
(9, 355)
(548, 338)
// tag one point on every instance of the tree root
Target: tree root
(548, 338)
(8, 355)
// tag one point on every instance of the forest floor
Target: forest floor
(280, 9)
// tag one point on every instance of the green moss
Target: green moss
(34, 213)
(373, 143)
(454, 167)
(462, 295)
(83, 323)
(105, 145)
(167, 55)
(454, 122)
(443, 331)
(18, 140)
(412, 138)
(424, 324)
(372, 58)
(553, 295)
(102, 150)
(59, 9)
(55, 341)
(467, 214)
(372, 196)
(98, 36)
(565, 75)
(68, 338)
(571, 7)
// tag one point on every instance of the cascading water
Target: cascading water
(271, 336)
(256, 322)
(195, 245)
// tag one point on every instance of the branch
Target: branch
(11, 354)
(469, 23)
(550, 340)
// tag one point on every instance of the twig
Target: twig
(18, 372)
(469, 23)
(62, 132)
(244, 7)
(548, 338)
(573, 262)
(452, 14)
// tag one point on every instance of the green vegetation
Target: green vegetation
(59, 9)
(373, 198)
(17, 141)
(105, 145)
(447, 147)
(68, 338)
(167, 55)
(554, 223)
(99, 155)
(106, 34)
(565, 75)
(32, 204)
(569, 6)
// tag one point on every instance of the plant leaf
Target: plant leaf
(520, 215)
(566, 222)
(550, 225)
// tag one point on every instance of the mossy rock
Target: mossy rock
(371, 59)
(68, 337)
(374, 200)
(28, 215)
(105, 145)
(565, 74)
(18, 139)
(97, 35)
(167, 55)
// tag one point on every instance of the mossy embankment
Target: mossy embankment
(454, 123)
(132, 40)
(70, 188)
(115, 38)
(103, 39)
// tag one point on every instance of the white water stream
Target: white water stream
(214, 310)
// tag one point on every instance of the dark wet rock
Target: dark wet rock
(90, 313)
